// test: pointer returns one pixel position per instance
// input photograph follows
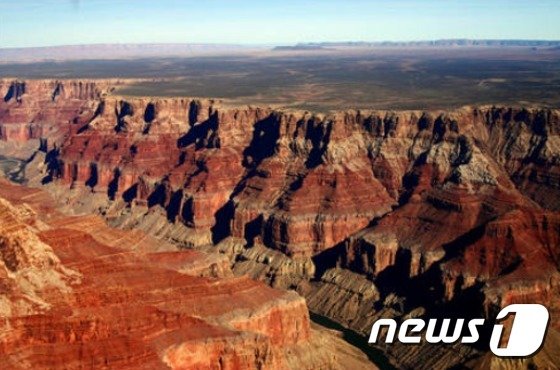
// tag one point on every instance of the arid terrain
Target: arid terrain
(325, 79)
(145, 227)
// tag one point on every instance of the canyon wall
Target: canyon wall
(92, 296)
(365, 213)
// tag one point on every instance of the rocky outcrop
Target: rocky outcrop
(392, 213)
(53, 109)
(28, 267)
(91, 295)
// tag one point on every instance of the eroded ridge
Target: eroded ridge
(365, 213)
(77, 293)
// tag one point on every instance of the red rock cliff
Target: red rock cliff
(431, 206)
(89, 295)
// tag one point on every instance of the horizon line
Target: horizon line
(376, 42)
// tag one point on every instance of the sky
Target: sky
(25, 23)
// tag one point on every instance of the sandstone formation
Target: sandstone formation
(77, 293)
(365, 213)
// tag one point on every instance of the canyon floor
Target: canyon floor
(142, 228)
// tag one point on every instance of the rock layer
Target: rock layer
(437, 210)
(90, 295)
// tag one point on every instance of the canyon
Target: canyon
(77, 293)
(182, 203)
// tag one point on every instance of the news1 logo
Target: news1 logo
(525, 338)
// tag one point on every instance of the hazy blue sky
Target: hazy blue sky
(52, 22)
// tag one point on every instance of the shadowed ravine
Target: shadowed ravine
(376, 356)
(13, 169)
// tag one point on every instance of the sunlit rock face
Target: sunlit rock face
(437, 209)
(90, 295)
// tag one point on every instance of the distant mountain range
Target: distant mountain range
(117, 51)
(446, 42)
(126, 51)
